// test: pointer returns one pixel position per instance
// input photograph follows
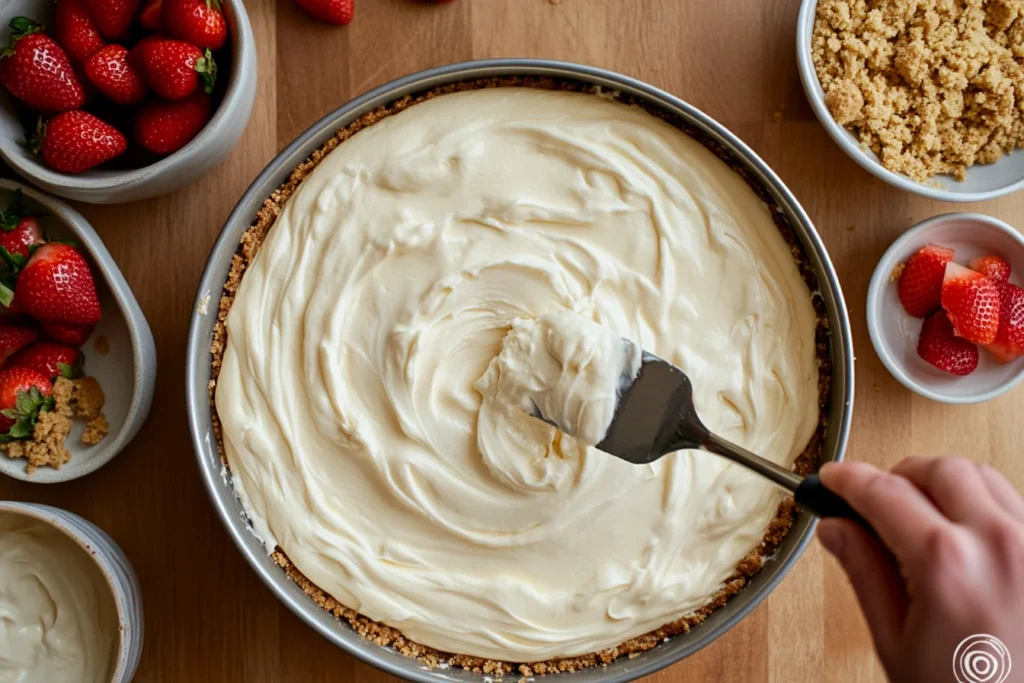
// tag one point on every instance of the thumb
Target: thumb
(875, 576)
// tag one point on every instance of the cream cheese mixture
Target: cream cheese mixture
(361, 419)
(58, 622)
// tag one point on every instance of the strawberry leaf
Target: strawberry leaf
(34, 142)
(23, 26)
(70, 371)
(10, 413)
(6, 296)
(207, 69)
(20, 430)
(15, 211)
(14, 262)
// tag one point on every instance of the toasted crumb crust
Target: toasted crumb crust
(383, 635)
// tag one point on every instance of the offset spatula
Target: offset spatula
(656, 416)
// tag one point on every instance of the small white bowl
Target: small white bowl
(113, 565)
(894, 333)
(983, 181)
(111, 186)
(127, 371)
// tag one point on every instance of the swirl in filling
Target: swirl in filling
(354, 386)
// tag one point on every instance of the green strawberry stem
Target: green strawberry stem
(207, 68)
(20, 27)
(27, 407)
(6, 296)
(15, 211)
(213, 4)
(34, 142)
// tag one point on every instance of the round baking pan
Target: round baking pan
(198, 359)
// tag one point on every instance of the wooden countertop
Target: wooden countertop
(208, 618)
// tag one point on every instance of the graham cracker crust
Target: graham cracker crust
(383, 635)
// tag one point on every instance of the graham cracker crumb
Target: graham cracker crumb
(88, 398)
(930, 86)
(95, 430)
(386, 636)
(897, 270)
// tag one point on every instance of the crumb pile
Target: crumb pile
(930, 86)
(82, 398)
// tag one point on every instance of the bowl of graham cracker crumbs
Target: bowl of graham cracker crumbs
(927, 95)
(93, 410)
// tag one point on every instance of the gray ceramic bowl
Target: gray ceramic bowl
(124, 586)
(127, 371)
(210, 287)
(108, 186)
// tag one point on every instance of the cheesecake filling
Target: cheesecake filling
(361, 399)
(58, 621)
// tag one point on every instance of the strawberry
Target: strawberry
(49, 359)
(199, 22)
(74, 30)
(972, 302)
(13, 338)
(70, 335)
(165, 127)
(331, 11)
(942, 348)
(174, 68)
(24, 394)
(75, 141)
(57, 286)
(994, 268)
(1009, 341)
(19, 232)
(37, 71)
(112, 17)
(113, 76)
(920, 282)
(149, 17)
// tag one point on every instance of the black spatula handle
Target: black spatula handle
(821, 501)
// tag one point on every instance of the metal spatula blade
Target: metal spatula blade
(655, 416)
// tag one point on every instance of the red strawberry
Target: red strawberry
(71, 335)
(112, 17)
(49, 359)
(75, 141)
(74, 30)
(57, 286)
(1009, 342)
(165, 127)
(23, 394)
(331, 11)
(921, 280)
(113, 76)
(149, 18)
(994, 268)
(972, 302)
(174, 68)
(13, 338)
(19, 232)
(36, 70)
(942, 348)
(199, 22)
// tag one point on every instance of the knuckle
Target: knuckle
(1007, 538)
(946, 549)
(953, 469)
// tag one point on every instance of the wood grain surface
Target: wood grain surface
(208, 618)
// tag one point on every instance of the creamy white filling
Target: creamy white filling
(58, 621)
(354, 390)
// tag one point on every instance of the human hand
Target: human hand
(952, 563)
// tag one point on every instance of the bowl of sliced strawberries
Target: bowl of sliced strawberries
(945, 308)
(77, 359)
(109, 101)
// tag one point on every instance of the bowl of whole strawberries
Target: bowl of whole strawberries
(945, 308)
(116, 100)
(77, 359)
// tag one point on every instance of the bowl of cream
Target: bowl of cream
(70, 604)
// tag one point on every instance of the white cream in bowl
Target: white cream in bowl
(58, 616)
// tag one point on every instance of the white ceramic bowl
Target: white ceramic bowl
(984, 181)
(127, 371)
(113, 565)
(110, 186)
(894, 333)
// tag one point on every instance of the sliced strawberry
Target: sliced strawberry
(13, 338)
(49, 359)
(57, 286)
(942, 348)
(1009, 341)
(972, 302)
(994, 268)
(24, 393)
(920, 282)
(71, 335)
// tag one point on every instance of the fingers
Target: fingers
(875, 578)
(901, 514)
(1002, 492)
(954, 484)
